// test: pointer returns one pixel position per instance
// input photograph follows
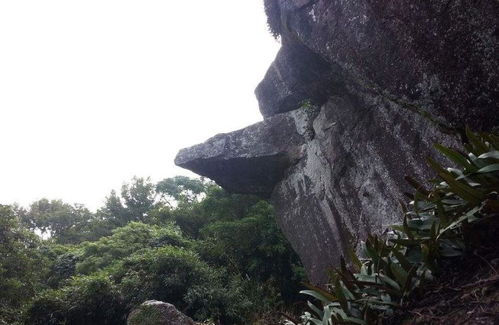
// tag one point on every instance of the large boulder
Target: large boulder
(357, 96)
(153, 312)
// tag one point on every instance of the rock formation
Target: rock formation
(353, 102)
(154, 312)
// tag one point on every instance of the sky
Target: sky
(95, 92)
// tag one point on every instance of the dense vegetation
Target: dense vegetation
(214, 255)
(454, 217)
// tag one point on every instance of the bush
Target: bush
(48, 308)
(125, 241)
(254, 247)
(161, 274)
(86, 300)
(225, 299)
(179, 277)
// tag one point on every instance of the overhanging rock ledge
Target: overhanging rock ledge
(251, 160)
(354, 101)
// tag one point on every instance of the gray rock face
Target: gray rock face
(153, 312)
(351, 178)
(354, 101)
(440, 55)
(251, 160)
(296, 75)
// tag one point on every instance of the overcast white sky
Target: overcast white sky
(93, 92)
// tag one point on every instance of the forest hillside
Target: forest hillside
(216, 256)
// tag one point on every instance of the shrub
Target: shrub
(125, 241)
(254, 247)
(86, 300)
(161, 274)
(179, 277)
(48, 308)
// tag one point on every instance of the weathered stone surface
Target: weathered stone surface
(388, 79)
(351, 178)
(296, 75)
(440, 55)
(251, 160)
(153, 312)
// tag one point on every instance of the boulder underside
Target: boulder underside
(354, 101)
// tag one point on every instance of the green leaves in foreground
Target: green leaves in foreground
(434, 227)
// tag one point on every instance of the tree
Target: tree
(253, 246)
(137, 198)
(215, 255)
(60, 221)
(125, 241)
(19, 265)
(182, 189)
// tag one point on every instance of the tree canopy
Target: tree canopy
(215, 255)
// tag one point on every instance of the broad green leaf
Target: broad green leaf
(314, 308)
(407, 230)
(354, 258)
(454, 156)
(489, 169)
(316, 295)
(399, 273)
(389, 281)
(464, 191)
(491, 154)
(459, 221)
(338, 291)
(326, 319)
(323, 292)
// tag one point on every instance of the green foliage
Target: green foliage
(180, 277)
(48, 308)
(91, 299)
(137, 198)
(181, 189)
(265, 256)
(167, 273)
(214, 255)
(19, 269)
(63, 268)
(217, 206)
(171, 272)
(64, 223)
(123, 242)
(437, 225)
